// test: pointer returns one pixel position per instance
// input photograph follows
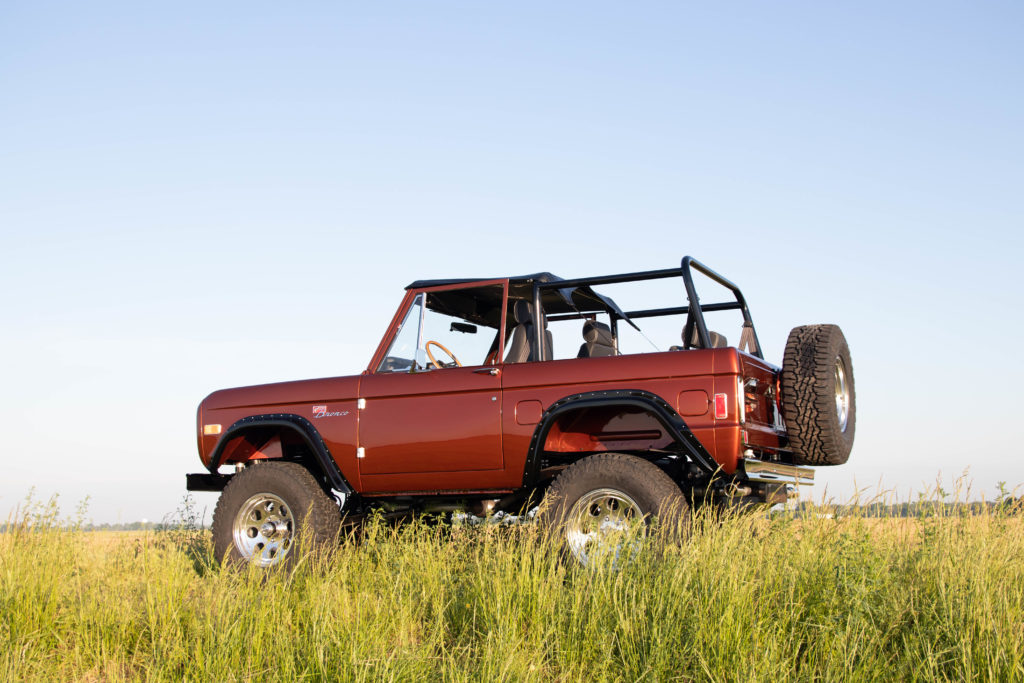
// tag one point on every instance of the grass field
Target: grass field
(750, 598)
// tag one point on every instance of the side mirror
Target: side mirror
(465, 328)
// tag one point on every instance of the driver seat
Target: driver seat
(521, 349)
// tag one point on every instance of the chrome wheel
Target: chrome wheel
(604, 522)
(263, 529)
(842, 394)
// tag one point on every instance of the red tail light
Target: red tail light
(721, 407)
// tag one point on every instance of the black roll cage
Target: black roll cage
(694, 312)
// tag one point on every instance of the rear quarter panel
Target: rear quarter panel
(686, 380)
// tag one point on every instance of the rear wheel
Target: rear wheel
(264, 509)
(818, 398)
(602, 507)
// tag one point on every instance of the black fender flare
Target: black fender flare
(672, 422)
(298, 425)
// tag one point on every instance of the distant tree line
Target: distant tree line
(188, 518)
(925, 508)
(120, 526)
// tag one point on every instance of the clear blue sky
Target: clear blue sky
(202, 195)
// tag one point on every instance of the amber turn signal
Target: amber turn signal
(211, 430)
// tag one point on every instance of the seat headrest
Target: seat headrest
(718, 341)
(523, 312)
(600, 333)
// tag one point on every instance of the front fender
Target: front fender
(296, 424)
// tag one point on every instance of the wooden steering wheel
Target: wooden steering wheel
(441, 346)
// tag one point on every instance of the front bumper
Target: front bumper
(205, 481)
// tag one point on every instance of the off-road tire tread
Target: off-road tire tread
(608, 467)
(808, 398)
(317, 513)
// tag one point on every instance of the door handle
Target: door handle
(493, 372)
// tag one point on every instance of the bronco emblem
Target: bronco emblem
(321, 411)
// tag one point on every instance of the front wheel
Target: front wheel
(603, 505)
(264, 509)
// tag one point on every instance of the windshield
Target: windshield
(451, 328)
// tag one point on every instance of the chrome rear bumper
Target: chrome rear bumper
(773, 472)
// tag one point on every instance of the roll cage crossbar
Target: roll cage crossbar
(694, 311)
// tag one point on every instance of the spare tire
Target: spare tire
(818, 400)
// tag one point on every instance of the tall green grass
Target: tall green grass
(746, 598)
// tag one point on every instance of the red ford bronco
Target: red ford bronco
(464, 407)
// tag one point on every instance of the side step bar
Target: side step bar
(772, 472)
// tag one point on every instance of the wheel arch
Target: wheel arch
(259, 430)
(629, 399)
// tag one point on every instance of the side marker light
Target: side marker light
(211, 430)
